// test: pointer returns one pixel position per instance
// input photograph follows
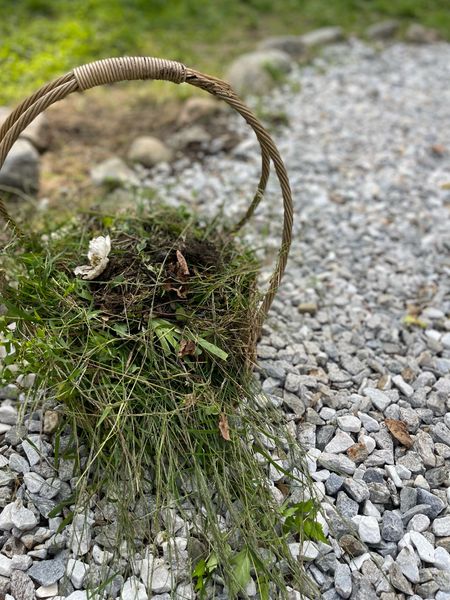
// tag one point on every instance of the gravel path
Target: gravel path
(357, 347)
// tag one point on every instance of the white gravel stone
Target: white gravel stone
(160, 577)
(403, 472)
(81, 535)
(341, 442)
(379, 399)
(33, 482)
(6, 522)
(349, 423)
(424, 549)
(309, 550)
(369, 530)
(370, 510)
(33, 451)
(441, 527)
(391, 472)
(357, 562)
(369, 423)
(21, 562)
(442, 559)
(185, 591)
(47, 591)
(16, 515)
(5, 566)
(404, 387)
(409, 564)
(133, 589)
(419, 523)
(337, 462)
(78, 595)
(343, 580)
(76, 571)
(369, 443)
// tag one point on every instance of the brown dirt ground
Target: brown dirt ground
(88, 128)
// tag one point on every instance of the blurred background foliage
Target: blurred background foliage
(40, 39)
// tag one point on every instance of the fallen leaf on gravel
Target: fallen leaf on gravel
(399, 431)
(224, 428)
(438, 149)
(358, 452)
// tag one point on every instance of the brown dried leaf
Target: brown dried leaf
(223, 427)
(358, 452)
(399, 431)
(283, 487)
(182, 264)
(187, 348)
(180, 290)
(438, 149)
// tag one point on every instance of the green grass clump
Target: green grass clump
(150, 366)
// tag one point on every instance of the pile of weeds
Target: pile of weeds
(150, 366)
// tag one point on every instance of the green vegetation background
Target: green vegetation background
(40, 39)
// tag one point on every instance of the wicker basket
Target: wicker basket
(133, 68)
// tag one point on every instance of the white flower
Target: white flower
(99, 248)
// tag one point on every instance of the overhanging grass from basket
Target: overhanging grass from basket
(152, 371)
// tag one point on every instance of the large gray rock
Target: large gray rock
(149, 151)
(257, 72)
(290, 44)
(191, 137)
(197, 109)
(113, 172)
(20, 170)
(383, 30)
(322, 37)
(418, 34)
(47, 572)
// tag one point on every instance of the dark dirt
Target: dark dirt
(155, 277)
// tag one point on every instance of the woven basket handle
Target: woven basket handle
(112, 70)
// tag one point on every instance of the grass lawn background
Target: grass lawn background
(41, 39)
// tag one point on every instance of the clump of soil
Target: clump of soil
(154, 276)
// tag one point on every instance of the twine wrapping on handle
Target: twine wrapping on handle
(112, 70)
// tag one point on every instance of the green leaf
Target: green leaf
(58, 508)
(17, 313)
(83, 292)
(314, 531)
(108, 221)
(242, 565)
(412, 321)
(200, 568)
(213, 562)
(105, 414)
(263, 586)
(121, 329)
(212, 349)
(65, 522)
